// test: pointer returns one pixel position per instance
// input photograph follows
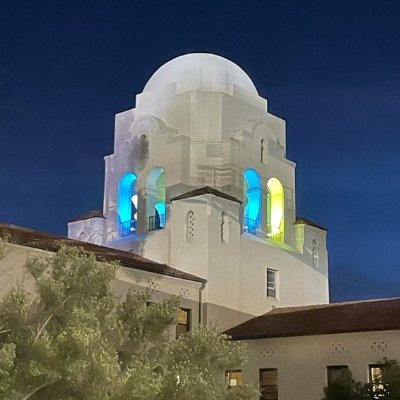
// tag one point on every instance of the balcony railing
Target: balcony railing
(250, 225)
(128, 228)
(156, 222)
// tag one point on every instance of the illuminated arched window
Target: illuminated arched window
(275, 210)
(155, 198)
(252, 201)
(127, 204)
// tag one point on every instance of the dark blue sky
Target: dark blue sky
(331, 69)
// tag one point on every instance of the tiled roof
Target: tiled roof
(301, 220)
(90, 214)
(45, 241)
(206, 190)
(356, 316)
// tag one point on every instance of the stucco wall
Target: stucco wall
(302, 361)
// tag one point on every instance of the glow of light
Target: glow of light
(276, 206)
(126, 194)
(252, 188)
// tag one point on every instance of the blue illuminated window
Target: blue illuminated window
(155, 199)
(252, 201)
(127, 204)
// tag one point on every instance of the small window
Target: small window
(234, 378)
(375, 376)
(190, 225)
(271, 283)
(183, 322)
(336, 372)
(269, 384)
(262, 150)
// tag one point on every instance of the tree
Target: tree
(387, 386)
(345, 388)
(76, 340)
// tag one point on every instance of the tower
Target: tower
(199, 180)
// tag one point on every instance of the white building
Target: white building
(199, 180)
(200, 202)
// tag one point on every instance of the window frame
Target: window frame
(274, 284)
(188, 324)
(331, 367)
(233, 371)
(260, 371)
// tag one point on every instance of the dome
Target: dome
(200, 69)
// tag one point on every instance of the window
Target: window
(234, 378)
(275, 210)
(269, 384)
(315, 254)
(224, 228)
(252, 201)
(271, 283)
(262, 150)
(190, 225)
(375, 376)
(183, 322)
(127, 204)
(336, 372)
(155, 199)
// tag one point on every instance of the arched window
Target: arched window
(315, 254)
(262, 150)
(190, 225)
(275, 210)
(155, 199)
(127, 204)
(252, 201)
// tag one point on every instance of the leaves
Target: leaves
(76, 341)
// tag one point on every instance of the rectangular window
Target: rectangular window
(269, 384)
(271, 283)
(375, 376)
(234, 378)
(183, 322)
(336, 372)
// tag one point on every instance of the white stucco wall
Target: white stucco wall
(302, 361)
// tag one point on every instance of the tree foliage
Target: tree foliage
(75, 340)
(385, 387)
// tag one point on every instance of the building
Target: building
(200, 202)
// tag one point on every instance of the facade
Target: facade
(199, 180)
(200, 202)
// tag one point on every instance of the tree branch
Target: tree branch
(49, 319)
(39, 388)
(5, 331)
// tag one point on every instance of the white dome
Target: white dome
(200, 69)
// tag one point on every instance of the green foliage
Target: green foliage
(4, 247)
(345, 388)
(76, 341)
(387, 386)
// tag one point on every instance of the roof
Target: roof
(205, 190)
(356, 316)
(46, 241)
(90, 214)
(301, 220)
(200, 70)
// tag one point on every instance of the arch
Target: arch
(275, 210)
(252, 200)
(155, 199)
(127, 204)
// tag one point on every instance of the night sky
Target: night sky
(331, 69)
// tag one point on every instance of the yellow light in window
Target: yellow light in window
(276, 207)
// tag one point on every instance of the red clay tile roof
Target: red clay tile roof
(46, 241)
(357, 316)
(90, 214)
(206, 190)
(301, 220)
